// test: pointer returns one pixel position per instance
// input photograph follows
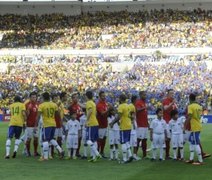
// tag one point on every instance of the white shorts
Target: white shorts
(84, 141)
(102, 133)
(58, 132)
(72, 141)
(186, 136)
(158, 141)
(133, 138)
(177, 140)
(114, 137)
(31, 132)
(142, 132)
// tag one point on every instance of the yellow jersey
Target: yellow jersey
(124, 112)
(16, 110)
(132, 108)
(47, 110)
(92, 121)
(195, 110)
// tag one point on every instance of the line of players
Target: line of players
(128, 125)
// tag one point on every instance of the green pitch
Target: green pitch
(25, 168)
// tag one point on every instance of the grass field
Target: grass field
(24, 168)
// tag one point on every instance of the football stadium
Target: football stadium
(105, 89)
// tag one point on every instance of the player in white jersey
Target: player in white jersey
(114, 136)
(158, 134)
(176, 127)
(83, 120)
(72, 131)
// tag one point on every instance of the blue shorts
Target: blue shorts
(92, 133)
(14, 131)
(125, 136)
(48, 133)
(194, 138)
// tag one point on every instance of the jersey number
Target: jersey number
(15, 111)
(50, 112)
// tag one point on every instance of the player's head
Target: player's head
(33, 96)
(192, 97)
(133, 99)
(55, 97)
(174, 114)
(17, 99)
(170, 93)
(46, 96)
(122, 98)
(74, 97)
(142, 95)
(73, 115)
(102, 95)
(63, 96)
(111, 112)
(89, 95)
(159, 113)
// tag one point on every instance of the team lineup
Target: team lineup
(46, 122)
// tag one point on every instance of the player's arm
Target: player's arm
(168, 106)
(24, 116)
(117, 119)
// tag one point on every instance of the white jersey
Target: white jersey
(83, 120)
(73, 127)
(158, 126)
(115, 126)
(176, 127)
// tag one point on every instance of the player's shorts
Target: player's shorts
(125, 136)
(48, 133)
(84, 141)
(194, 138)
(102, 133)
(92, 133)
(158, 141)
(142, 132)
(58, 132)
(72, 141)
(14, 131)
(177, 140)
(186, 136)
(31, 132)
(133, 139)
(114, 137)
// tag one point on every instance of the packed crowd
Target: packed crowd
(164, 28)
(89, 73)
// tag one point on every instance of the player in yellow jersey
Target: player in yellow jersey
(18, 118)
(92, 126)
(124, 117)
(48, 110)
(194, 116)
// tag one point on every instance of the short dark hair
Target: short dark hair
(173, 113)
(17, 99)
(133, 98)
(46, 96)
(169, 90)
(141, 92)
(158, 110)
(62, 95)
(123, 97)
(101, 92)
(89, 94)
(192, 97)
(33, 94)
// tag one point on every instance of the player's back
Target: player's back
(48, 110)
(16, 110)
(92, 121)
(125, 121)
(195, 110)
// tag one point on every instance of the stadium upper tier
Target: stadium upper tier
(153, 29)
